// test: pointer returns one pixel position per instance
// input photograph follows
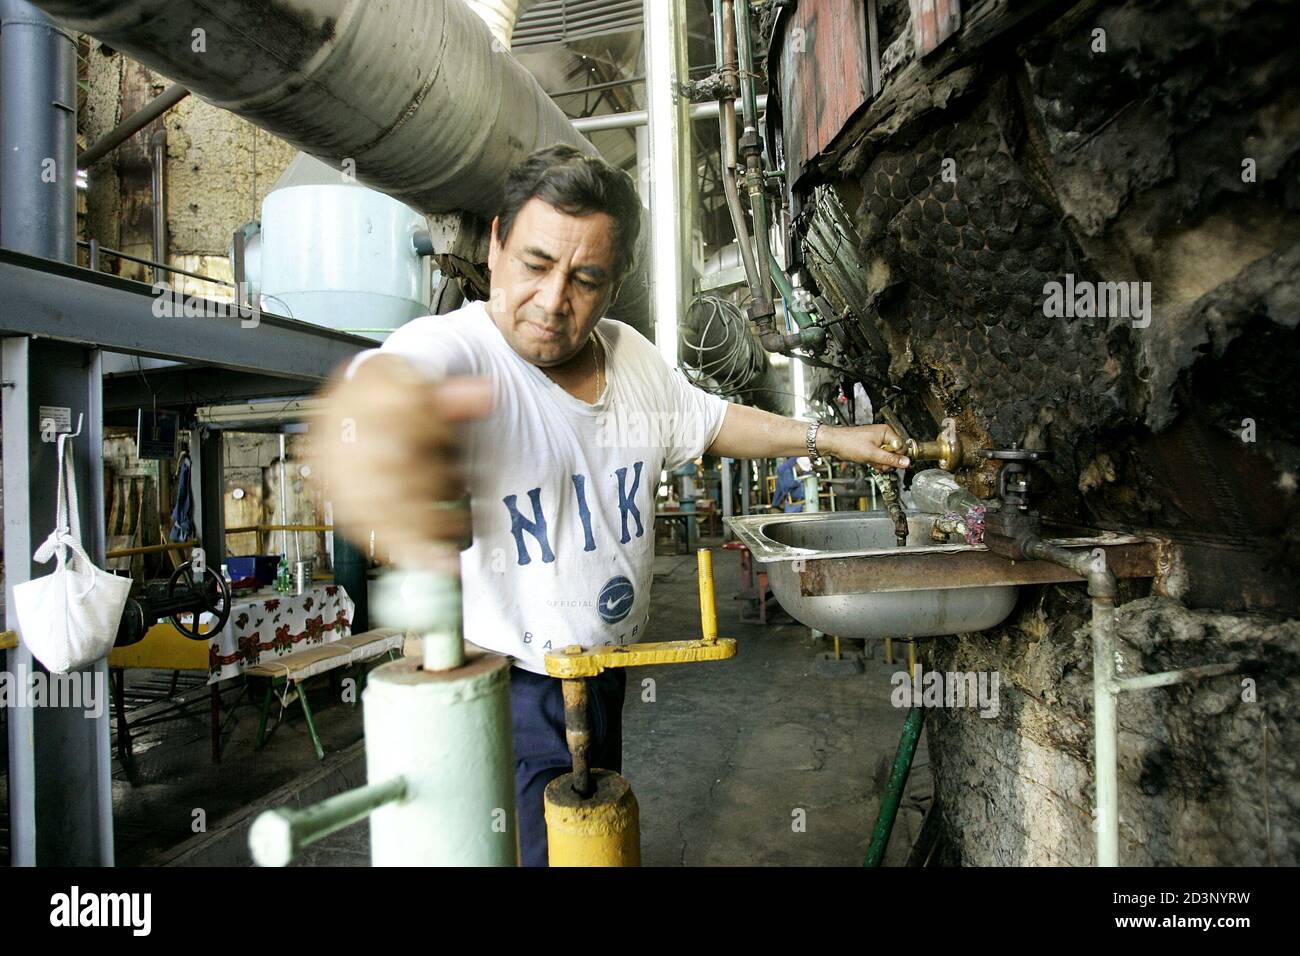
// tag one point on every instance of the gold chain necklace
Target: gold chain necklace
(595, 360)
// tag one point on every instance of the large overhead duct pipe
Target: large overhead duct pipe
(500, 16)
(417, 100)
(414, 98)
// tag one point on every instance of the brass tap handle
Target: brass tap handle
(947, 453)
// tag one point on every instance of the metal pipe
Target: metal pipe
(597, 87)
(724, 36)
(416, 99)
(1105, 730)
(1183, 676)
(671, 169)
(635, 118)
(284, 532)
(500, 16)
(708, 599)
(727, 126)
(577, 733)
(137, 121)
(890, 491)
(1106, 686)
(442, 725)
(893, 795)
(38, 165)
(158, 198)
(96, 250)
(277, 836)
(751, 142)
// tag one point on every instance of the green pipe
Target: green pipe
(801, 318)
(894, 791)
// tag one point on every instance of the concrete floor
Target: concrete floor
(727, 758)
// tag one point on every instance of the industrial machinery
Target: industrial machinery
(592, 817)
(445, 796)
(192, 591)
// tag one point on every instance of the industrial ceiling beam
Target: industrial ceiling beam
(56, 300)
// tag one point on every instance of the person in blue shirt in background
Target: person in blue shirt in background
(789, 483)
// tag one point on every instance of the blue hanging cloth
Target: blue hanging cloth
(183, 511)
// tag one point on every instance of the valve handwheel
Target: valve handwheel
(215, 600)
(1016, 454)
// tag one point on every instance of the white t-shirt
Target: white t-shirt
(563, 492)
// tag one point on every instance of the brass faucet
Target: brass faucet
(947, 449)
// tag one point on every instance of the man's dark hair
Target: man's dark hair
(577, 185)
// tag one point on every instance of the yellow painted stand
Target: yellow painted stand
(604, 827)
(602, 830)
(164, 648)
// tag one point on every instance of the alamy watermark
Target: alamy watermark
(83, 690)
(172, 303)
(1098, 300)
(947, 689)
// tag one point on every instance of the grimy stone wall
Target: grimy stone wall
(1207, 774)
(219, 169)
(1152, 143)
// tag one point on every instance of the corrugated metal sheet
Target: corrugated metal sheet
(557, 21)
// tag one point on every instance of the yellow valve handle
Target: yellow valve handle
(575, 661)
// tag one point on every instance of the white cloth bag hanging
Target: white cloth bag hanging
(69, 619)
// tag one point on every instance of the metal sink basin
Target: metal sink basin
(841, 572)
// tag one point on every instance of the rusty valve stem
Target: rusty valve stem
(577, 733)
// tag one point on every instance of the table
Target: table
(265, 625)
(255, 633)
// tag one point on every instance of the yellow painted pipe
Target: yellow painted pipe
(602, 830)
(708, 605)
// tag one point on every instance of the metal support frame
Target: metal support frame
(210, 494)
(672, 179)
(60, 794)
(61, 301)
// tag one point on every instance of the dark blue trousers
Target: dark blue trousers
(541, 752)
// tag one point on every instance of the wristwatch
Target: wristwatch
(811, 441)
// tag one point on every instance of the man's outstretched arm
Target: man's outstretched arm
(753, 433)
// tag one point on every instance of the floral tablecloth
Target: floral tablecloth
(266, 625)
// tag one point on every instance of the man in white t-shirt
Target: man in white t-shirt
(562, 422)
